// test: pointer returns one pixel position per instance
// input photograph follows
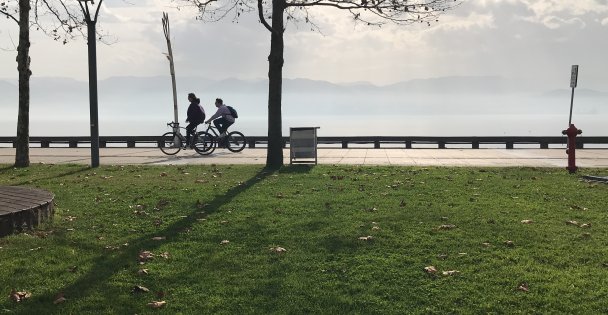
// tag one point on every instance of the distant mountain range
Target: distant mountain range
(49, 87)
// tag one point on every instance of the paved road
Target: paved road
(420, 157)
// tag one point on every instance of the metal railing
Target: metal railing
(406, 142)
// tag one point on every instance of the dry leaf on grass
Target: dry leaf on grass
(527, 221)
(163, 174)
(159, 238)
(59, 298)
(366, 238)
(145, 256)
(278, 249)
(430, 269)
(509, 243)
(486, 244)
(450, 272)
(164, 255)
(139, 289)
(142, 272)
(375, 228)
(224, 242)
(523, 287)
(585, 225)
(572, 222)
(18, 296)
(157, 304)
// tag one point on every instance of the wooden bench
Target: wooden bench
(23, 207)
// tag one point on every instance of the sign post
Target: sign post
(573, 81)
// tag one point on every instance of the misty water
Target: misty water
(130, 106)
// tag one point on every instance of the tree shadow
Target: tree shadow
(297, 169)
(32, 181)
(106, 266)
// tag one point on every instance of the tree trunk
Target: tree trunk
(22, 156)
(274, 158)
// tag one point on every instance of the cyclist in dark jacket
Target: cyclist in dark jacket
(196, 116)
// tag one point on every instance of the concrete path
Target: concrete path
(419, 157)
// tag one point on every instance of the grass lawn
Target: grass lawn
(213, 232)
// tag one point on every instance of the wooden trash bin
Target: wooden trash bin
(303, 145)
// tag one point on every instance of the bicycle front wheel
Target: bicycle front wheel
(204, 143)
(170, 143)
(235, 141)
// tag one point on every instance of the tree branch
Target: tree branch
(262, 19)
(10, 16)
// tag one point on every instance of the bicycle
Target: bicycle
(173, 141)
(234, 141)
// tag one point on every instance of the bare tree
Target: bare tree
(368, 12)
(56, 18)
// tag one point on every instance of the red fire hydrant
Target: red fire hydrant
(571, 132)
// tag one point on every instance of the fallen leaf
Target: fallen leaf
(572, 222)
(157, 304)
(163, 174)
(200, 181)
(142, 272)
(442, 256)
(486, 244)
(224, 242)
(145, 256)
(60, 298)
(159, 238)
(223, 222)
(523, 287)
(164, 255)
(375, 228)
(585, 225)
(278, 249)
(527, 221)
(139, 289)
(18, 296)
(366, 238)
(509, 243)
(450, 272)
(430, 269)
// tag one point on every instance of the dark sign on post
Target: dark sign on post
(574, 76)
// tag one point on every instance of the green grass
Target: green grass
(317, 214)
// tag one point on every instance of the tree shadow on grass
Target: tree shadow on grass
(108, 265)
(52, 176)
(297, 169)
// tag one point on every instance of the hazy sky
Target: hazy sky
(532, 40)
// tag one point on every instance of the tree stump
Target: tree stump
(23, 208)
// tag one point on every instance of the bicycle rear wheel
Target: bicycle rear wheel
(170, 143)
(235, 141)
(205, 143)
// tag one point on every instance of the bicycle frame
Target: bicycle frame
(178, 131)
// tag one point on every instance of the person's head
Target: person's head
(191, 97)
(219, 102)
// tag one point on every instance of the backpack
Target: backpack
(233, 112)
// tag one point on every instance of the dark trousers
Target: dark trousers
(190, 130)
(222, 124)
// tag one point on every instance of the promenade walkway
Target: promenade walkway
(590, 158)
